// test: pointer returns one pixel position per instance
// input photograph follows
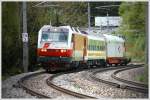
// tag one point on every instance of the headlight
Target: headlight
(63, 50)
(43, 50)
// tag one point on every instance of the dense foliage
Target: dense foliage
(11, 38)
(133, 27)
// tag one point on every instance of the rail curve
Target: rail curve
(51, 84)
(30, 91)
(79, 95)
(129, 85)
(134, 85)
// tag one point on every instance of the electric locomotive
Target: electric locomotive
(54, 47)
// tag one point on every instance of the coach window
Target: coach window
(101, 48)
(88, 47)
(98, 47)
(93, 47)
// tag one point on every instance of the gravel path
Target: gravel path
(80, 82)
(11, 88)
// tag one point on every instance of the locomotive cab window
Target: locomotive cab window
(44, 36)
(55, 36)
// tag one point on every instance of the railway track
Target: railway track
(126, 83)
(49, 81)
(29, 90)
(51, 84)
(79, 95)
(131, 84)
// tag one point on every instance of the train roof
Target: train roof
(72, 29)
(49, 26)
(91, 36)
(101, 38)
(113, 38)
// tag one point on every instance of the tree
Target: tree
(11, 45)
(133, 27)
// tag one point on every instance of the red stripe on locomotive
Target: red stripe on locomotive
(46, 45)
(55, 52)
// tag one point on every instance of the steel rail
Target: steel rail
(49, 82)
(115, 84)
(28, 90)
(66, 91)
(105, 81)
(131, 84)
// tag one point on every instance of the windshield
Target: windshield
(54, 36)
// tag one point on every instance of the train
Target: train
(66, 47)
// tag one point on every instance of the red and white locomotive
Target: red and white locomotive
(65, 47)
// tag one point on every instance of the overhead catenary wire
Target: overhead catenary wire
(39, 4)
(107, 6)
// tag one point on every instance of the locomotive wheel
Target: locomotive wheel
(104, 65)
(67, 67)
(116, 65)
(48, 70)
(74, 65)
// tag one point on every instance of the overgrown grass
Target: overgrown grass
(15, 70)
(11, 72)
(144, 77)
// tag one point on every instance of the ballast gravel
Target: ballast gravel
(82, 83)
(38, 83)
(11, 88)
(78, 82)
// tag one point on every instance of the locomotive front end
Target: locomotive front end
(54, 48)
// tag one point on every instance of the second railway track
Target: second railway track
(130, 84)
(125, 84)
